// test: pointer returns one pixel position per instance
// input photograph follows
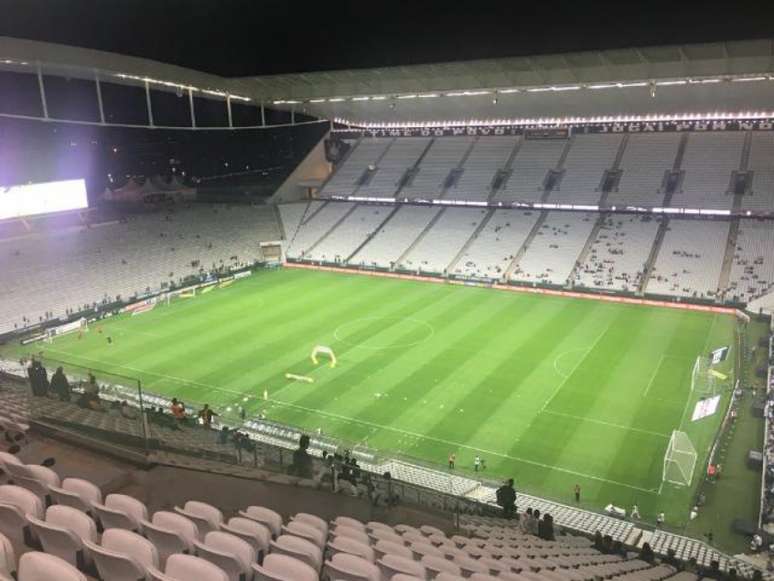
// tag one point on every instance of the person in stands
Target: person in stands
(206, 415)
(506, 498)
(178, 410)
(59, 385)
(302, 461)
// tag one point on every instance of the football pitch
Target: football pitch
(551, 391)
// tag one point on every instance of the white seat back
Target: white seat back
(44, 474)
(37, 487)
(7, 458)
(68, 498)
(36, 566)
(227, 543)
(255, 533)
(60, 541)
(115, 565)
(133, 508)
(75, 520)
(346, 567)
(298, 548)
(7, 556)
(266, 516)
(88, 492)
(352, 533)
(351, 547)
(185, 567)
(437, 565)
(305, 531)
(283, 568)
(132, 544)
(346, 521)
(314, 520)
(171, 533)
(113, 519)
(382, 548)
(394, 564)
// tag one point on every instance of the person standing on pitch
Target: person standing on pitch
(577, 493)
(452, 458)
(477, 463)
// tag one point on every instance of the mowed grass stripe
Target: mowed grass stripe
(499, 357)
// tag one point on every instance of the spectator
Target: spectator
(533, 524)
(646, 553)
(178, 410)
(598, 541)
(546, 528)
(302, 461)
(206, 415)
(38, 378)
(506, 498)
(525, 518)
(59, 385)
(128, 411)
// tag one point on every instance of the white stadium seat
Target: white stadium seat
(36, 566)
(266, 516)
(349, 545)
(77, 493)
(17, 505)
(7, 556)
(121, 512)
(346, 567)
(393, 565)
(298, 548)
(123, 555)
(232, 554)
(206, 517)
(284, 568)
(171, 533)
(64, 532)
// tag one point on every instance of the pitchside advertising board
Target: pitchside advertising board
(46, 198)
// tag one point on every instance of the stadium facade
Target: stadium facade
(641, 176)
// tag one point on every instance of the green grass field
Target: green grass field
(549, 390)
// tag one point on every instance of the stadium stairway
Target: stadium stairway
(587, 247)
(419, 238)
(507, 169)
(655, 249)
(476, 232)
(373, 233)
(280, 223)
(331, 229)
(411, 171)
(728, 258)
(375, 163)
(518, 256)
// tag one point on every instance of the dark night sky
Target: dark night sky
(249, 37)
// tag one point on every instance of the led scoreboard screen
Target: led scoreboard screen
(46, 198)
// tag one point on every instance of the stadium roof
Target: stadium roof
(730, 77)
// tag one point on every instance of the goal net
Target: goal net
(679, 460)
(703, 381)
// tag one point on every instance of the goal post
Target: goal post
(703, 381)
(679, 460)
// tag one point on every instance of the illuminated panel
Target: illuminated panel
(46, 198)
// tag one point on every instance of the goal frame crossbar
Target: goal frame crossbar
(680, 460)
